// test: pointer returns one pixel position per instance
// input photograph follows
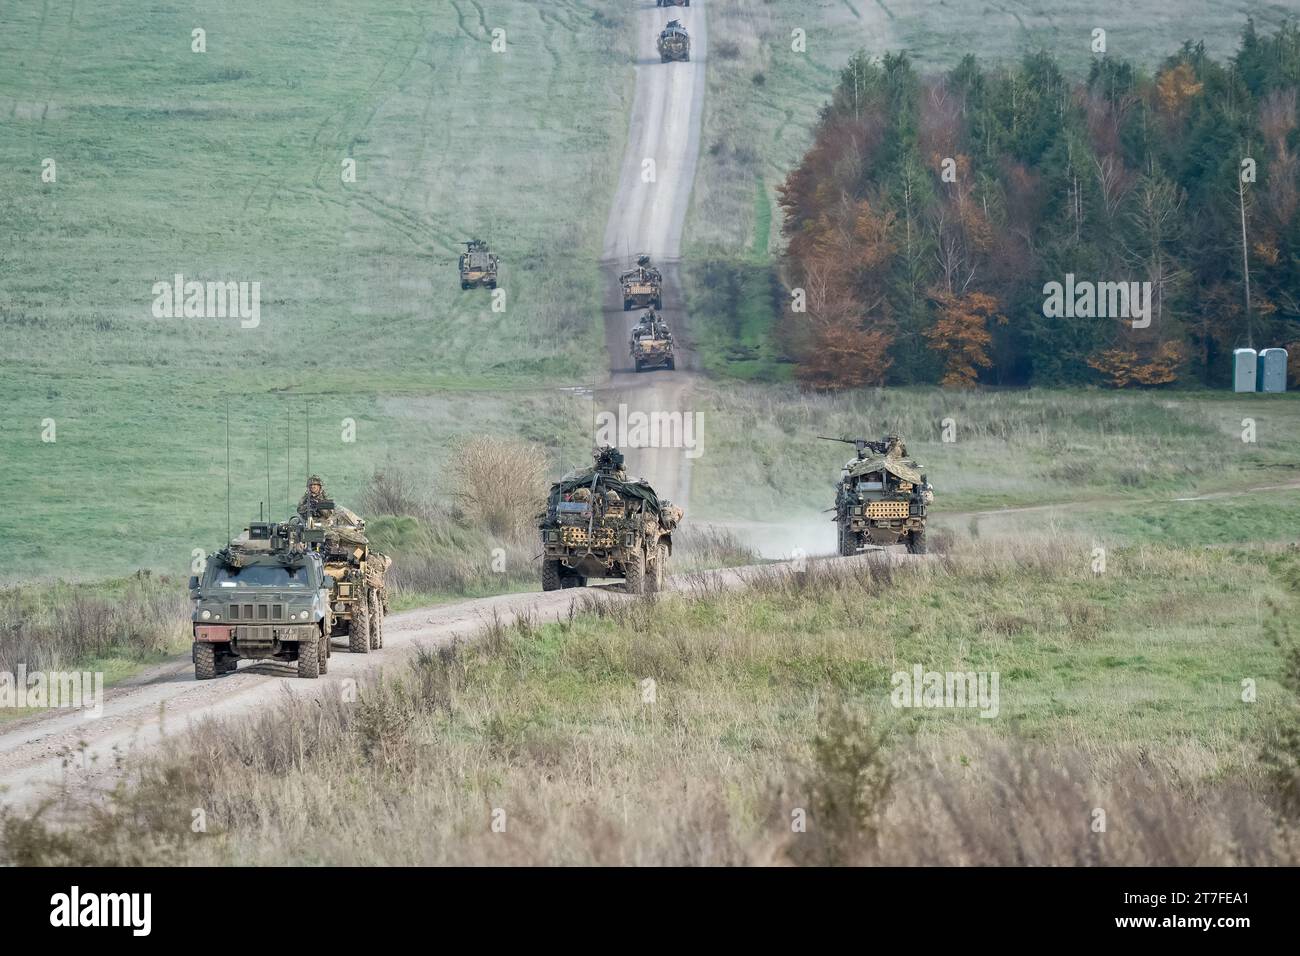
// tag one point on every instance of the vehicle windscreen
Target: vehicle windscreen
(262, 576)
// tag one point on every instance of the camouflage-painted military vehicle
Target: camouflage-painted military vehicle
(478, 266)
(651, 344)
(355, 575)
(882, 497)
(642, 286)
(674, 43)
(262, 596)
(672, 3)
(599, 523)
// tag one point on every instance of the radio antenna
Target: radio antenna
(288, 451)
(269, 503)
(306, 411)
(227, 470)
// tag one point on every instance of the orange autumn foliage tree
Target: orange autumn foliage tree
(961, 335)
(1123, 368)
(841, 355)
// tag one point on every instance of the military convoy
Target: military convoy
(651, 344)
(643, 286)
(599, 523)
(674, 43)
(881, 498)
(281, 590)
(478, 266)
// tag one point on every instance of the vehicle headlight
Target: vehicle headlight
(205, 614)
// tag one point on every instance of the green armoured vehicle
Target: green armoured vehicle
(355, 575)
(882, 497)
(599, 523)
(674, 43)
(262, 596)
(478, 266)
(672, 3)
(643, 286)
(651, 344)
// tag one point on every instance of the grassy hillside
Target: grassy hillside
(227, 165)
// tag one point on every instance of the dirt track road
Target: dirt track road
(647, 215)
(40, 753)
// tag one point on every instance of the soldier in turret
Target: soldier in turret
(309, 503)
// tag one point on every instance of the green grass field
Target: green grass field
(227, 165)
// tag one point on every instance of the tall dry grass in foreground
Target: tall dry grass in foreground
(765, 711)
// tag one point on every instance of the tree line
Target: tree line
(931, 214)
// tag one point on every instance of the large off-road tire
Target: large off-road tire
(376, 621)
(634, 574)
(359, 629)
(464, 286)
(663, 58)
(672, 365)
(639, 366)
(627, 305)
(916, 542)
(552, 576)
(491, 283)
(848, 542)
(205, 661)
(657, 570)
(309, 657)
(323, 653)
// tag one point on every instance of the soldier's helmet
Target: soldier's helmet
(315, 480)
(643, 260)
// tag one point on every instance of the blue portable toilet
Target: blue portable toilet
(1244, 371)
(1271, 375)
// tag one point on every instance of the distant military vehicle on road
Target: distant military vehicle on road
(651, 344)
(672, 3)
(599, 523)
(882, 497)
(355, 575)
(262, 596)
(674, 43)
(478, 266)
(642, 286)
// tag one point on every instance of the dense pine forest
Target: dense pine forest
(931, 214)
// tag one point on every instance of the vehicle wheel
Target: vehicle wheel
(638, 365)
(227, 665)
(323, 653)
(659, 302)
(205, 661)
(376, 621)
(848, 542)
(359, 629)
(657, 570)
(634, 577)
(672, 365)
(492, 284)
(663, 59)
(551, 577)
(309, 657)
(916, 542)
(464, 286)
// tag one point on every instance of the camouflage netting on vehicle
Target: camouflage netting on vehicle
(902, 468)
(631, 488)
